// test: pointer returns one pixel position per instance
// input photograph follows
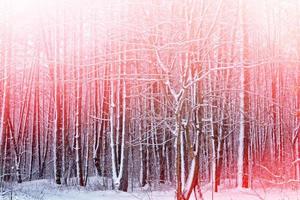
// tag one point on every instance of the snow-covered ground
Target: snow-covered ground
(46, 190)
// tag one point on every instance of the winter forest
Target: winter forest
(173, 99)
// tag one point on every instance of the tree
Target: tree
(243, 153)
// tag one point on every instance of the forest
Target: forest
(184, 93)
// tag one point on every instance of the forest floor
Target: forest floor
(46, 190)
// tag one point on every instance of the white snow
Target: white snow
(46, 190)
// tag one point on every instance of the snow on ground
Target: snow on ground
(46, 190)
(271, 194)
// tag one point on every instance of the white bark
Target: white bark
(241, 134)
(112, 145)
(117, 182)
(182, 160)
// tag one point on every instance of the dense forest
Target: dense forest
(179, 92)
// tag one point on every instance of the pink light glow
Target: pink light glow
(192, 94)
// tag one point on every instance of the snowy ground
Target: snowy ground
(46, 190)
